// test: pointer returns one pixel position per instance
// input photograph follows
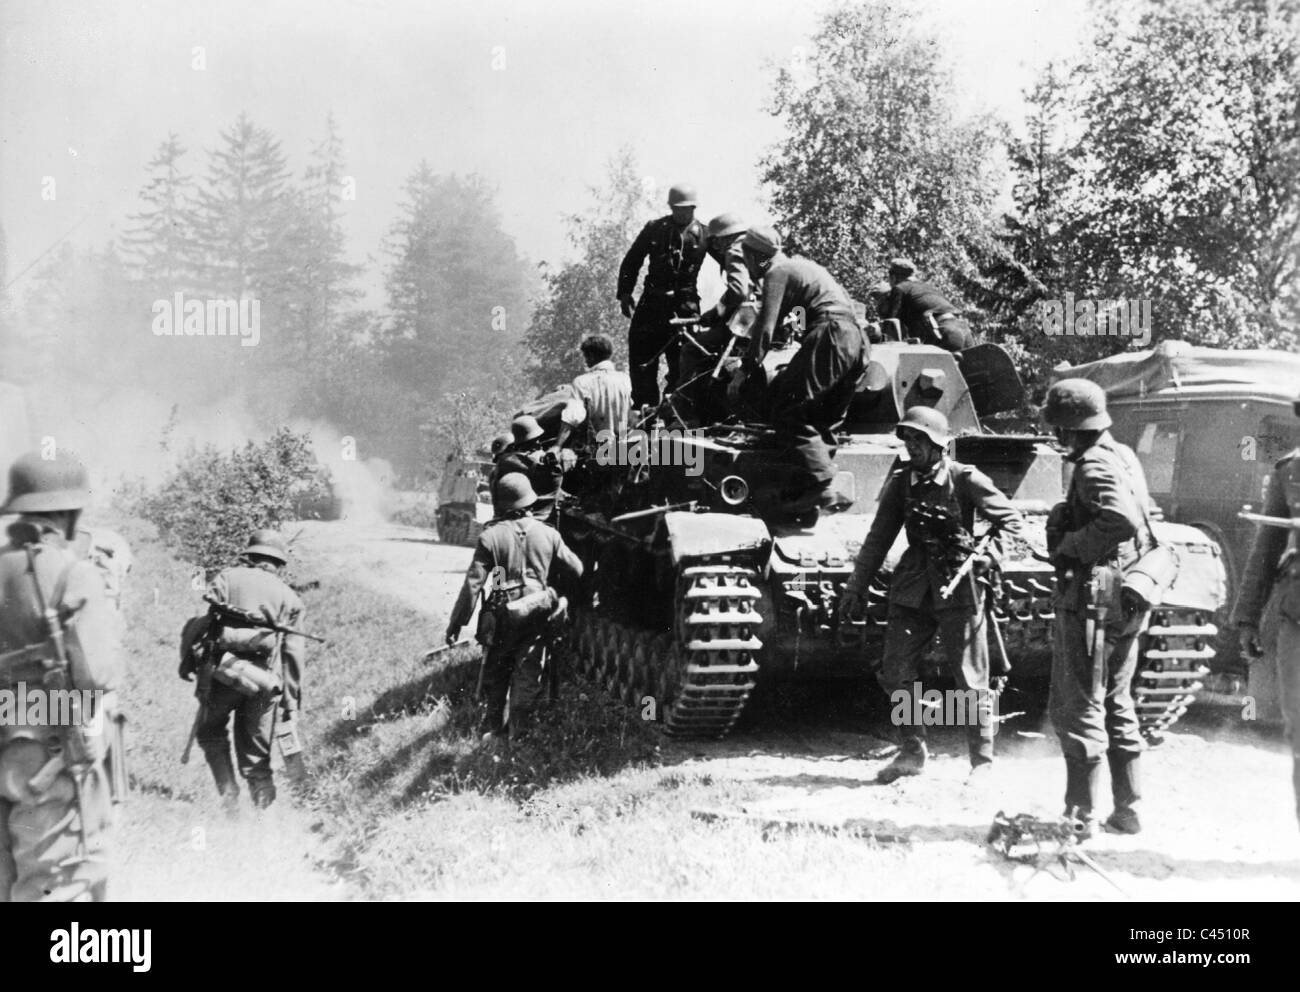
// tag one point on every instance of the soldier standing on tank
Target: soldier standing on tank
(1272, 575)
(675, 246)
(929, 487)
(1092, 537)
(55, 802)
(255, 586)
(523, 557)
(807, 399)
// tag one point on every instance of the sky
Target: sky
(536, 97)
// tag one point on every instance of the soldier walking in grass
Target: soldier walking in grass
(248, 658)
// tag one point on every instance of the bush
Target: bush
(206, 510)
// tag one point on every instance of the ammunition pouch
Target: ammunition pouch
(246, 677)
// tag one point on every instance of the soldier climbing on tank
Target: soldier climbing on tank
(247, 652)
(59, 631)
(924, 312)
(934, 498)
(531, 569)
(707, 344)
(675, 246)
(1272, 576)
(807, 399)
(1093, 536)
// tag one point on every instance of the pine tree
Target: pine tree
(158, 247)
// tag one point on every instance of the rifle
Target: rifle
(204, 690)
(75, 754)
(247, 619)
(967, 564)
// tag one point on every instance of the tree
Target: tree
(239, 213)
(875, 162)
(456, 297)
(578, 297)
(318, 285)
(1188, 166)
(159, 244)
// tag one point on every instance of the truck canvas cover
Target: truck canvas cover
(1176, 368)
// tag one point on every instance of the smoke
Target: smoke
(136, 436)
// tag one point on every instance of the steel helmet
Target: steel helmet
(725, 225)
(525, 428)
(39, 485)
(762, 240)
(681, 195)
(499, 443)
(513, 492)
(1076, 405)
(269, 544)
(929, 422)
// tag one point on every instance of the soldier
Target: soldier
(1093, 536)
(527, 456)
(527, 560)
(55, 802)
(1272, 575)
(808, 399)
(701, 352)
(675, 245)
(934, 498)
(246, 668)
(924, 312)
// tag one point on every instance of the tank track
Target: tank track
(702, 674)
(1171, 667)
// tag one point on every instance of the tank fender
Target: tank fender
(694, 535)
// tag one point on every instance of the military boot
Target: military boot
(1126, 787)
(910, 761)
(1081, 776)
(263, 792)
(223, 773)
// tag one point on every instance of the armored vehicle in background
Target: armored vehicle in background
(694, 590)
(464, 499)
(1208, 424)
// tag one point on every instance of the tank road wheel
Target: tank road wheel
(717, 649)
(1171, 667)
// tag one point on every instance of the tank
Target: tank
(694, 591)
(464, 499)
(1208, 424)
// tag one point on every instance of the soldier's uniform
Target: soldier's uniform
(1272, 575)
(1101, 525)
(676, 254)
(42, 855)
(715, 331)
(808, 399)
(258, 717)
(916, 607)
(526, 556)
(914, 304)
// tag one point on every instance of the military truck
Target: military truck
(464, 499)
(1207, 424)
(695, 589)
